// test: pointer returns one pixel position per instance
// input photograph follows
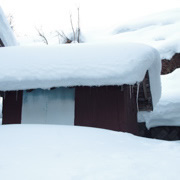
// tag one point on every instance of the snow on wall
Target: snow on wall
(167, 111)
(161, 30)
(48, 107)
(6, 33)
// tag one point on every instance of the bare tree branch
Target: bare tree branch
(64, 37)
(78, 28)
(76, 32)
(72, 27)
(41, 34)
(59, 36)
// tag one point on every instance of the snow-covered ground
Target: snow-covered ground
(167, 111)
(34, 152)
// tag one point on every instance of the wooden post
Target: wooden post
(12, 107)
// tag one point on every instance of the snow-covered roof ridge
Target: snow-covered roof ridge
(6, 33)
(78, 65)
(160, 30)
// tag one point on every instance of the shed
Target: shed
(95, 85)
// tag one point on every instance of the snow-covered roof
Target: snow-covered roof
(167, 111)
(6, 33)
(161, 31)
(78, 64)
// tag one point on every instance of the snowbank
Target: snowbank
(78, 64)
(62, 152)
(6, 33)
(167, 111)
(161, 31)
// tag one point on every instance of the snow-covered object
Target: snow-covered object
(161, 31)
(48, 107)
(6, 33)
(167, 111)
(34, 152)
(79, 64)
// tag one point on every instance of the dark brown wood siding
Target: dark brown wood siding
(12, 107)
(108, 107)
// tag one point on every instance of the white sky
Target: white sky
(94, 14)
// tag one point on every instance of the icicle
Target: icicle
(4, 94)
(132, 88)
(137, 96)
(121, 88)
(16, 95)
(130, 91)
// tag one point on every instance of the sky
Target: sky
(54, 15)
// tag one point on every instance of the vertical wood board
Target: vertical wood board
(12, 107)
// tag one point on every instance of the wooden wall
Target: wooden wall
(108, 107)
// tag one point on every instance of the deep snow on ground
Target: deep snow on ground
(167, 111)
(34, 152)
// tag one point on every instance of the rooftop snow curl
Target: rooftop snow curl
(78, 65)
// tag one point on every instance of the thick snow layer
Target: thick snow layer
(167, 111)
(79, 64)
(161, 31)
(35, 152)
(6, 33)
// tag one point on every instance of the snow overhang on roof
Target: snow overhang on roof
(160, 30)
(6, 33)
(79, 65)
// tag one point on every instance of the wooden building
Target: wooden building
(80, 98)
